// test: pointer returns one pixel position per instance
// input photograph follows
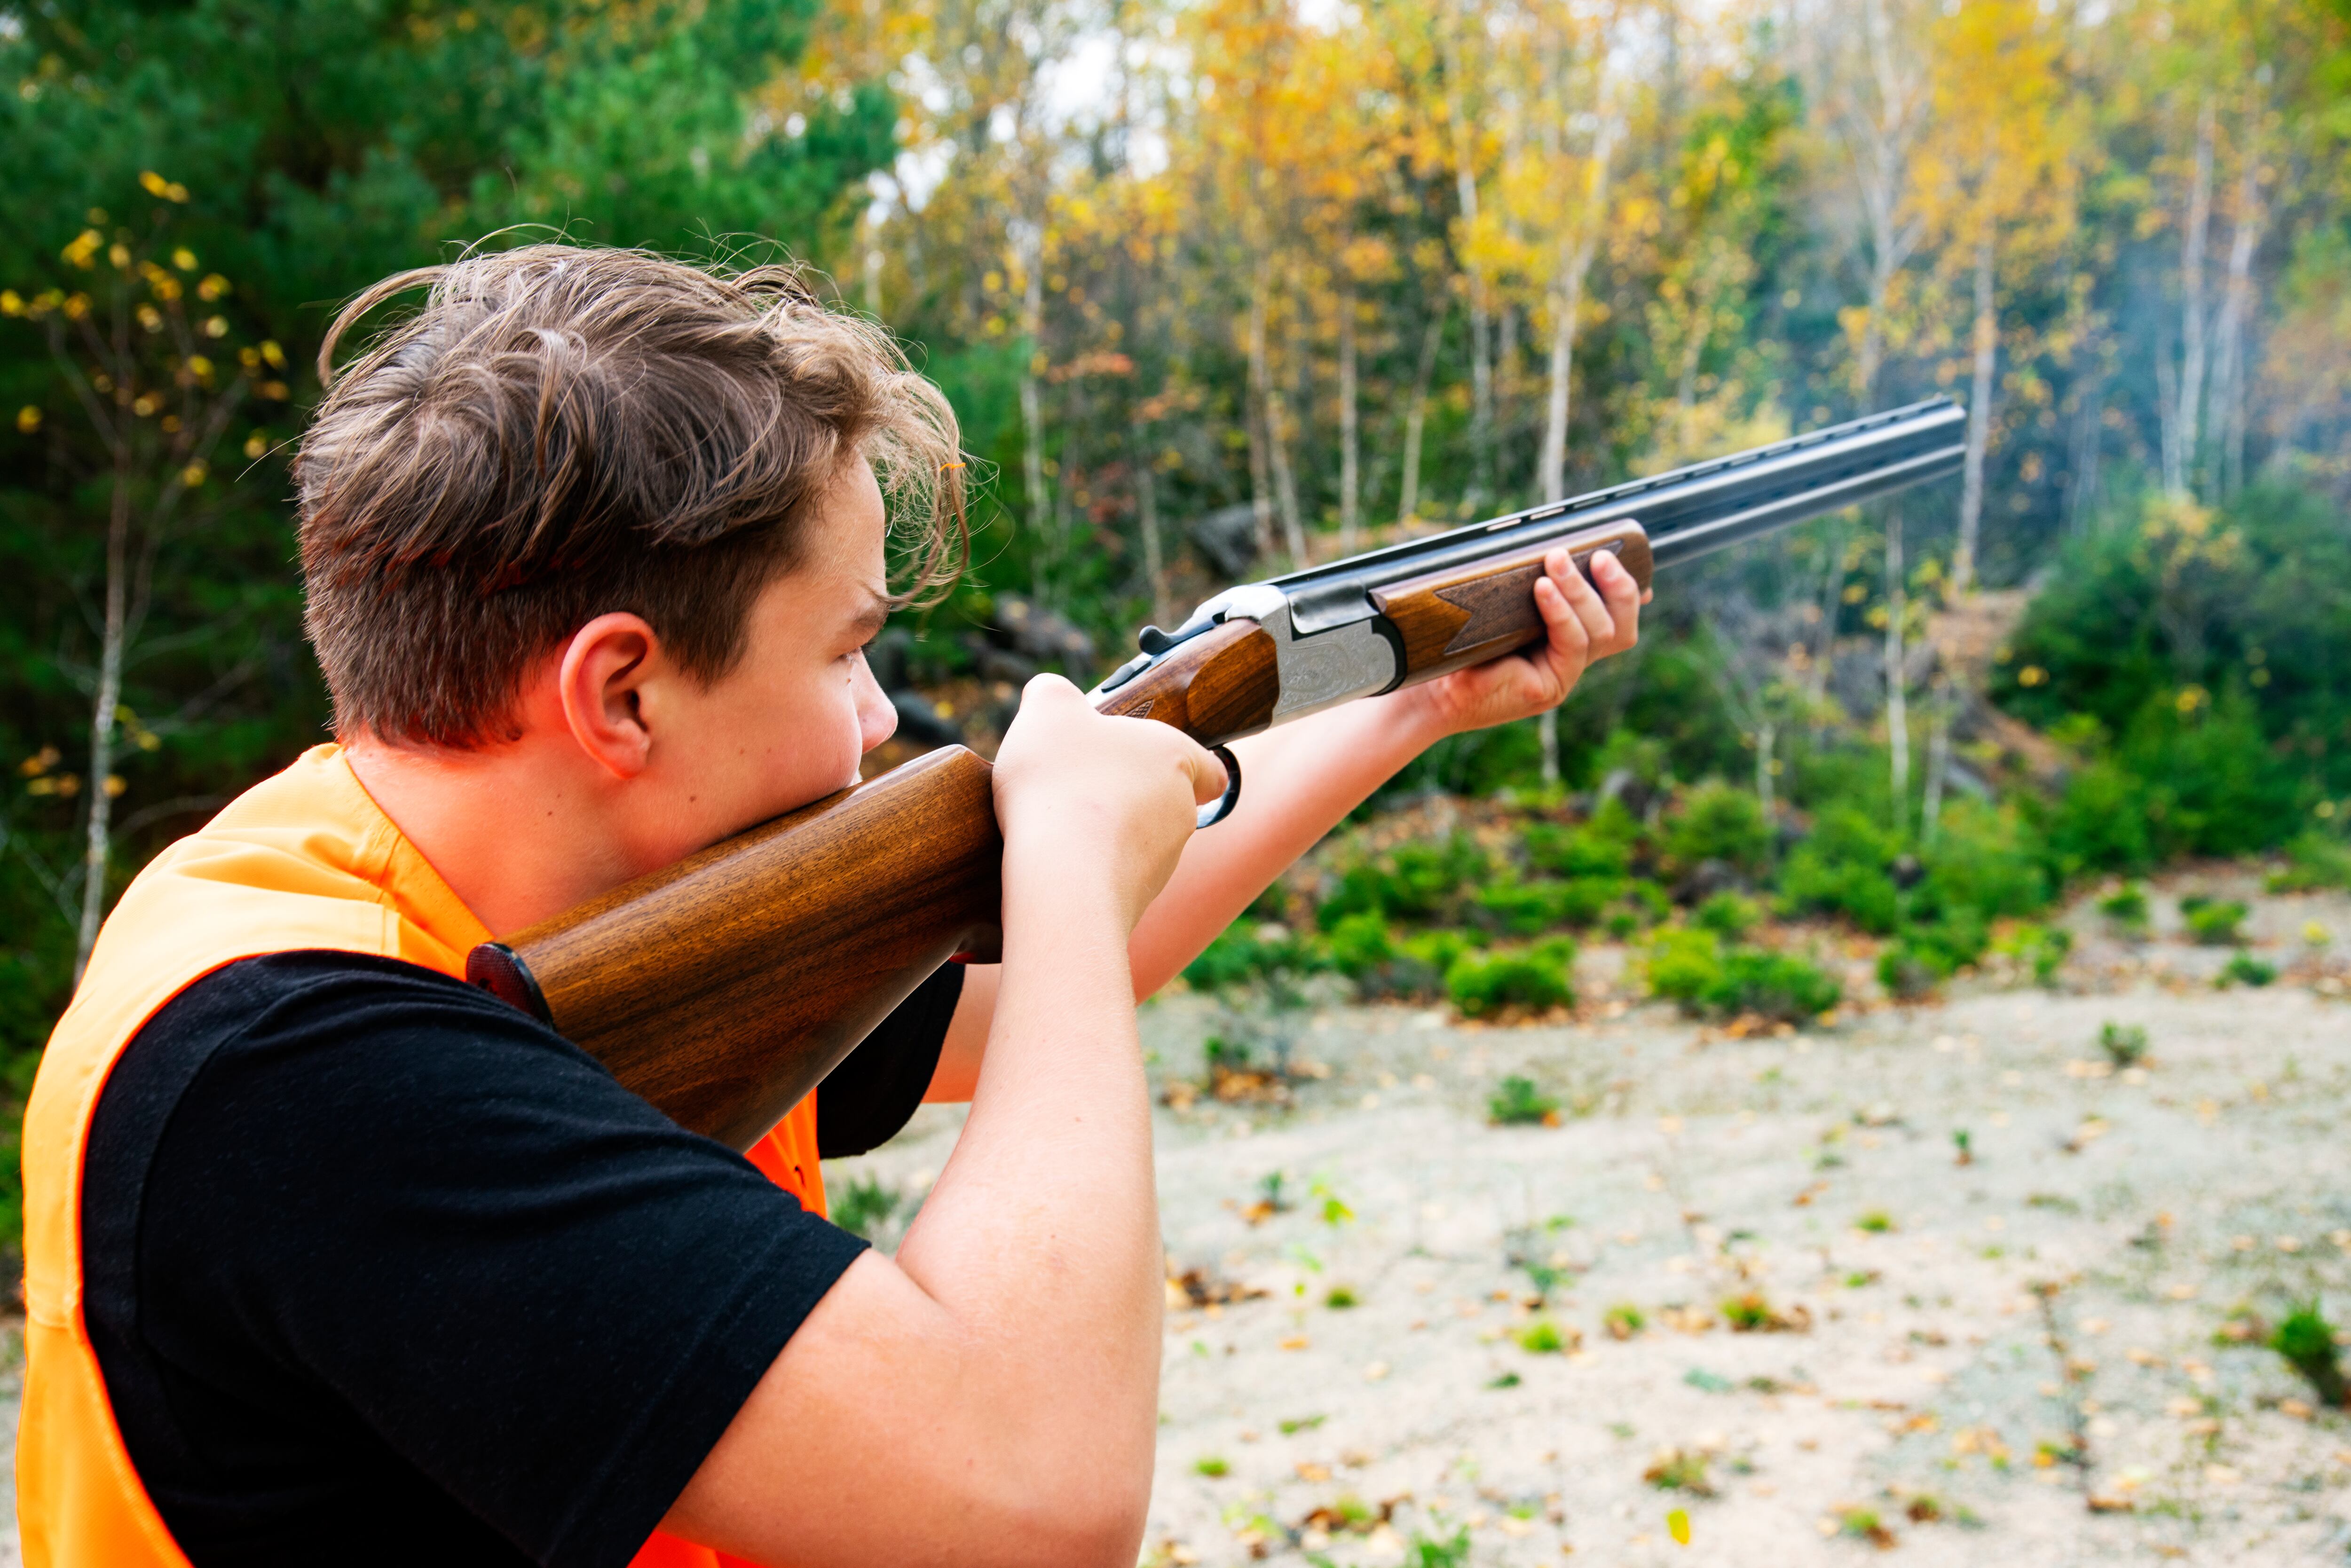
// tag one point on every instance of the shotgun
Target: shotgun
(725, 987)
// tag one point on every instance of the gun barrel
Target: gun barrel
(1687, 512)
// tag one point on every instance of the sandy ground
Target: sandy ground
(1921, 1369)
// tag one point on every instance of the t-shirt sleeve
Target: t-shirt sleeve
(866, 1099)
(410, 1201)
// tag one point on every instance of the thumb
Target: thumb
(1210, 779)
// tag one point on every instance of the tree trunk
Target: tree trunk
(1938, 757)
(2237, 308)
(2192, 234)
(1551, 474)
(1032, 425)
(1481, 368)
(1987, 353)
(1767, 740)
(1261, 464)
(1547, 735)
(98, 838)
(2081, 490)
(1897, 696)
(1416, 417)
(1147, 506)
(1285, 482)
(1350, 453)
(1567, 303)
(1832, 602)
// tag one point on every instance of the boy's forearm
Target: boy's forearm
(1042, 1234)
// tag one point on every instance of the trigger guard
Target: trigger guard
(1218, 810)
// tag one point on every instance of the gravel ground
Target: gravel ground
(2013, 1358)
(2022, 1365)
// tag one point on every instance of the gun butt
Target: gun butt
(726, 987)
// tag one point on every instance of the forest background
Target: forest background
(1222, 284)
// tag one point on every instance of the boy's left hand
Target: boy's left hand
(1586, 626)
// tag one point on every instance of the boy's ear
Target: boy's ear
(599, 680)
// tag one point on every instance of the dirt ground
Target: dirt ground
(2009, 1359)
(2020, 1366)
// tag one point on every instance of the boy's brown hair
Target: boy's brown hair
(563, 432)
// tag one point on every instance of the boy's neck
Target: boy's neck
(515, 831)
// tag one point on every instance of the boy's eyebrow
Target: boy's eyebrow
(870, 619)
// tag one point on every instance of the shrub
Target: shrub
(1679, 1470)
(1359, 943)
(1212, 1465)
(2244, 969)
(1984, 859)
(1246, 951)
(1602, 847)
(1728, 915)
(2314, 861)
(1520, 1104)
(1775, 985)
(1623, 1320)
(2125, 1044)
(1529, 908)
(1414, 883)
(1685, 965)
(1719, 821)
(1542, 1337)
(2041, 947)
(1875, 1222)
(2126, 909)
(2306, 1340)
(1532, 976)
(2102, 821)
(2212, 921)
(1841, 868)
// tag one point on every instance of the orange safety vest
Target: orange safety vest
(303, 861)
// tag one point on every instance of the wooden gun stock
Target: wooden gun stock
(725, 987)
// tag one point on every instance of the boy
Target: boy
(331, 1257)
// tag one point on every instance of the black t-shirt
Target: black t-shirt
(380, 1271)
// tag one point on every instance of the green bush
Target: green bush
(1729, 916)
(1691, 966)
(1415, 882)
(1532, 977)
(1246, 951)
(2124, 1043)
(2126, 909)
(1359, 943)
(2213, 922)
(2244, 969)
(1602, 847)
(1983, 859)
(2306, 1340)
(1719, 821)
(2101, 820)
(1520, 1103)
(1775, 985)
(1685, 965)
(1841, 868)
(1529, 908)
(2314, 861)
(2041, 947)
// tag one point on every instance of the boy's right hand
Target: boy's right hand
(1096, 805)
